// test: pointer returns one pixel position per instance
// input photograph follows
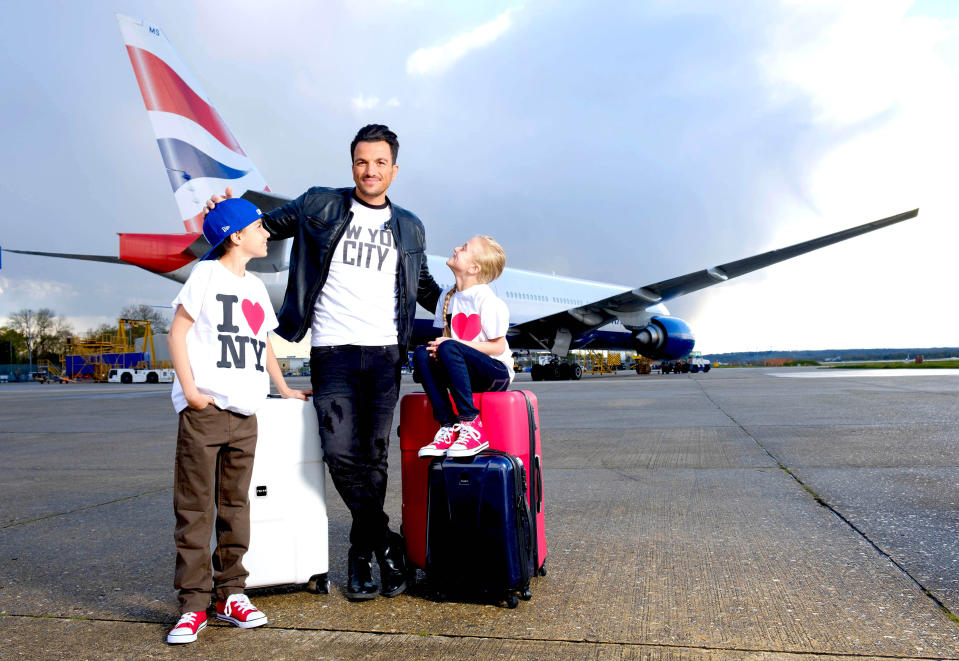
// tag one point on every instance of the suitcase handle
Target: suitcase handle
(538, 467)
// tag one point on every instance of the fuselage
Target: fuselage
(528, 294)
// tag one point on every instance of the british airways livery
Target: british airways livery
(548, 313)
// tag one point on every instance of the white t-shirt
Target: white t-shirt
(227, 342)
(477, 314)
(357, 305)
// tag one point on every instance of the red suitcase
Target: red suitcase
(510, 423)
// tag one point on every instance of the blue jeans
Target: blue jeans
(458, 370)
(355, 389)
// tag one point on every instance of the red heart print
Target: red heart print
(466, 328)
(254, 314)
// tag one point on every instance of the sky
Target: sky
(619, 142)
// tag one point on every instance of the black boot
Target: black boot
(360, 585)
(393, 567)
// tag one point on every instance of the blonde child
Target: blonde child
(472, 354)
(222, 356)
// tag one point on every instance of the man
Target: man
(357, 270)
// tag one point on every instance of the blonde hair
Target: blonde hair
(491, 262)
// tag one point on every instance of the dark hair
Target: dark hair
(222, 248)
(376, 133)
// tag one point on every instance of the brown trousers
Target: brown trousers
(211, 481)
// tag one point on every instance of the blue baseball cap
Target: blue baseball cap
(229, 216)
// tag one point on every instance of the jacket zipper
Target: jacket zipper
(400, 277)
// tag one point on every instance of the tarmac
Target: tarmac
(729, 515)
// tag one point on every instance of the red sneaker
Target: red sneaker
(238, 610)
(187, 627)
(441, 442)
(470, 440)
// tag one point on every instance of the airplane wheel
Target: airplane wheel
(565, 372)
(536, 372)
(577, 371)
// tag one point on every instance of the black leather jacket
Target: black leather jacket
(316, 220)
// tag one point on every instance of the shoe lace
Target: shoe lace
(444, 434)
(469, 431)
(186, 618)
(239, 603)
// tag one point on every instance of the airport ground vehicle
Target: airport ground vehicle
(142, 375)
(642, 365)
(694, 363)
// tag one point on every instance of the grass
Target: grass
(930, 364)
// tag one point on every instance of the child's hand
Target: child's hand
(289, 393)
(198, 401)
(432, 344)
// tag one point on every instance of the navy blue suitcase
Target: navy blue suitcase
(478, 531)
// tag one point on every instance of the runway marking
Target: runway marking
(833, 373)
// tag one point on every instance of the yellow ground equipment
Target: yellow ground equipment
(642, 364)
(48, 372)
(599, 362)
(94, 358)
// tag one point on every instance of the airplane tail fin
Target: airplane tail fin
(200, 153)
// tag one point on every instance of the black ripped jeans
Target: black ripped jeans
(355, 389)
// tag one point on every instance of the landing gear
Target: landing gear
(556, 370)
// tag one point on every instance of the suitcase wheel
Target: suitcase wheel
(512, 601)
(542, 570)
(526, 595)
(319, 584)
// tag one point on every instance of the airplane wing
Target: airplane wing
(634, 302)
(189, 245)
(90, 258)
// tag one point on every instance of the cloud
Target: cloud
(361, 103)
(37, 290)
(438, 59)
(364, 102)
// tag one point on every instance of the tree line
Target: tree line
(31, 335)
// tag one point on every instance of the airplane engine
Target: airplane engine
(666, 338)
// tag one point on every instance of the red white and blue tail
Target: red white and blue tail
(200, 153)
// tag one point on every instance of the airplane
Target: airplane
(549, 313)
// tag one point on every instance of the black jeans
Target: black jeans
(355, 389)
(458, 370)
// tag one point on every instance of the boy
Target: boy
(221, 356)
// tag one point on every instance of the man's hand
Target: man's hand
(216, 199)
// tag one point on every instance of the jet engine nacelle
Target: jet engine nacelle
(666, 338)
